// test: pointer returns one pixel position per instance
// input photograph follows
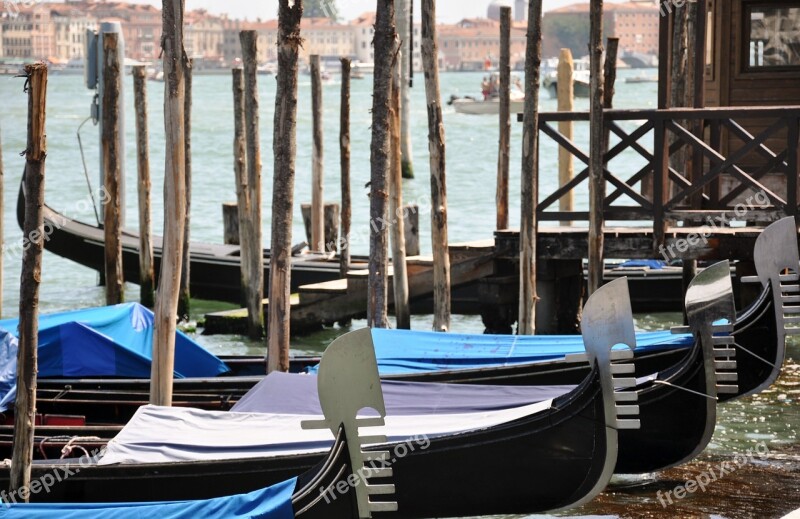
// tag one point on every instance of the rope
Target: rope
(67, 449)
(665, 383)
(86, 170)
(762, 359)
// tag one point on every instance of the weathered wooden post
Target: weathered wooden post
(163, 364)
(2, 225)
(184, 297)
(404, 32)
(530, 173)
(252, 252)
(596, 148)
(251, 297)
(400, 271)
(317, 193)
(25, 404)
(112, 167)
(344, 166)
(411, 229)
(380, 165)
(146, 266)
(610, 75)
(284, 146)
(566, 103)
(501, 196)
(436, 147)
(230, 223)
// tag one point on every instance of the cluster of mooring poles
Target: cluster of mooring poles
(390, 161)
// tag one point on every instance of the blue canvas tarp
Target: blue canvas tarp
(111, 341)
(410, 351)
(274, 502)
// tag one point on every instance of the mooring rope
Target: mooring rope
(698, 393)
(86, 170)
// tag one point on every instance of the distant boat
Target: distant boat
(642, 79)
(490, 103)
(639, 59)
(472, 106)
(580, 80)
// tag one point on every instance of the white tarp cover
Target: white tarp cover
(168, 434)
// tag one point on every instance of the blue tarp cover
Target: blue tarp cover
(274, 502)
(111, 341)
(410, 351)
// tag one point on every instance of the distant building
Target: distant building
(474, 43)
(493, 11)
(203, 38)
(70, 26)
(27, 33)
(521, 11)
(634, 23)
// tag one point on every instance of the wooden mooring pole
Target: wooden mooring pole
(344, 166)
(404, 32)
(566, 103)
(317, 193)
(596, 148)
(610, 75)
(285, 149)
(252, 254)
(385, 42)
(112, 166)
(504, 145)
(2, 224)
(163, 364)
(250, 296)
(526, 324)
(146, 266)
(184, 300)
(25, 404)
(400, 271)
(436, 147)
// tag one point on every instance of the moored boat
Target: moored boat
(552, 455)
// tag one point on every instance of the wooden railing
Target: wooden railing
(726, 164)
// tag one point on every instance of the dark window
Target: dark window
(774, 36)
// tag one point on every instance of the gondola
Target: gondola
(677, 408)
(759, 337)
(297, 497)
(553, 455)
(215, 268)
(300, 496)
